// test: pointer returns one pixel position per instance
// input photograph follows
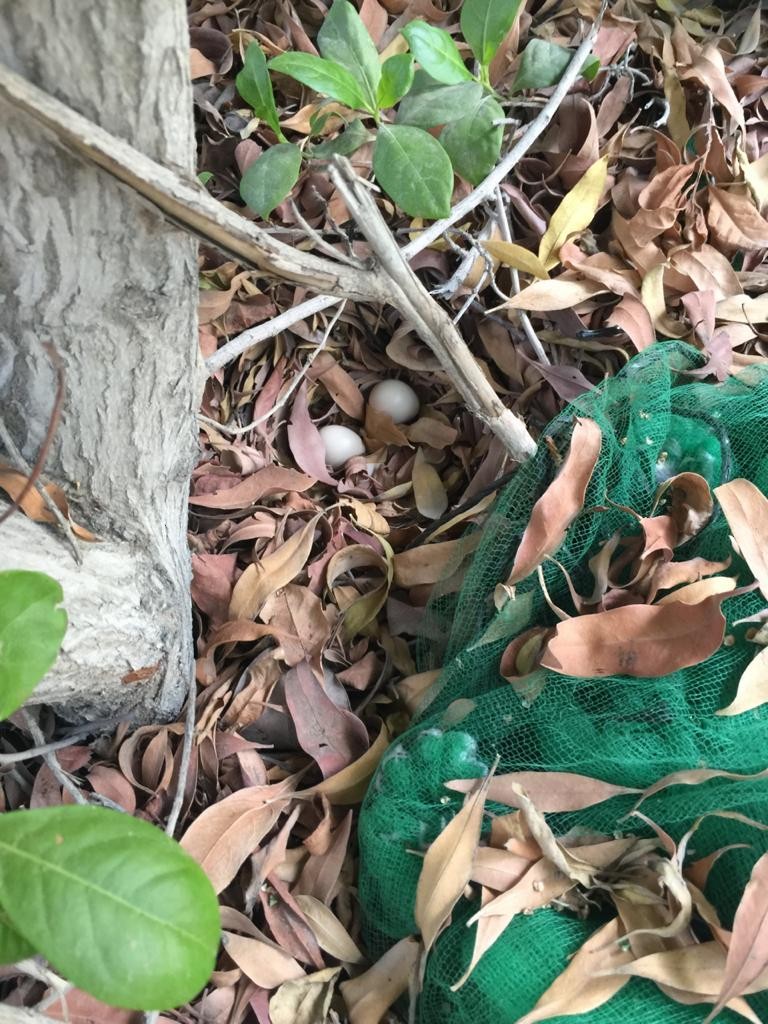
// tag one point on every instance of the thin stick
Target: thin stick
(298, 378)
(52, 761)
(483, 191)
(186, 755)
(87, 730)
(525, 320)
(24, 467)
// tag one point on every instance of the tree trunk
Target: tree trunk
(89, 269)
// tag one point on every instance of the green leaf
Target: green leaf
(116, 906)
(437, 53)
(542, 64)
(31, 631)
(12, 946)
(484, 23)
(438, 105)
(344, 38)
(473, 143)
(414, 170)
(270, 178)
(254, 85)
(204, 177)
(396, 80)
(324, 76)
(352, 138)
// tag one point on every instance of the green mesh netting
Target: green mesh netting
(657, 419)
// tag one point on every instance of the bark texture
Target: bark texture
(84, 265)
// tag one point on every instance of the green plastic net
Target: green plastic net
(658, 418)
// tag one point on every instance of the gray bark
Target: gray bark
(86, 266)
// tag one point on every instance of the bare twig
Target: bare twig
(430, 320)
(49, 434)
(478, 195)
(67, 741)
(23, 466)
(186, 754)
(525, 320)
(52, 761)
(297, 379)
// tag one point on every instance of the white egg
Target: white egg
(340, 444)
(397, 399)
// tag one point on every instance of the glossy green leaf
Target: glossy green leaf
(396, 79)
(414, 170)
(484, 23)
(542, 64)
(254, 85)
(31, 631)
(117, 907)
(324, 76)
(437, 53)
(270, 178)
(12, 946)
(439, 104)
(352, 138)
(343, 38)
(473, 143)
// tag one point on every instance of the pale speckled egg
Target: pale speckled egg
(340, 444)
(397, 399)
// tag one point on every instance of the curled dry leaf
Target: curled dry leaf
(690, 504)
(447, 866)
(305, 441)
(746, 509)
(575, 212)
(261, 484)
(370, 995)
(637, 640)
(694, 777)
(350, 784)
(428, 489)
(305, 1000)
(364, 609)
(580, 989)
(560, 503)
(696, 592)
(521, 655)
(263, 578)
(752, 689)
(551, 792)
(32, 505)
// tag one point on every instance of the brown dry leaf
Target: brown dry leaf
(304, 439)
(552, 792)
(577, 989)
(320, 874)
(366, 515)
(13, 483)
(693, 777)
(428, 489)
(225, 834)
(691, 504)
(734, 222)
(560, 503)
(213, 577)
(671, 574)
(696, 592)
(637, 640)
(412, 689)
(249, 704)
(431, 562)
(746, 509)
(330, 933)
(360, 611)
(752, 690)
(447, 866)
(709, 69)
(303, 625)
(561, 293)
(265, 964)
(370, 995)
(350, 784)
(230, 633)
(499, 869)
(333, 736)
(261, 484)
(748, 950)
(263, 578)
(306, 1000)
(743, 309)
(635, 320)
(521, 655)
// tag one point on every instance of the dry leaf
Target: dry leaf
(734, 222)
(552, 792)
(265, 964)
(447, 866)
(428, 489)
(752, 690)
(227, 833)
(635, 320)
(281, 566)
(305, 1000)
(33, 505)
(350, 784)
(577, 990)
(560, 503)
(431, 562)
(511, 255)
(300, 620)
(330, 933)
(746, 509)
(637, 640)
(305, 441)
(339, 385)
(262, 484)
(361, 611)
(695, 593)
(747, 956)
(370, 995)
(562, 293)
(575, 212)
(743, 309)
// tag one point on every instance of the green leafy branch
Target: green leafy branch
(414, 168)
